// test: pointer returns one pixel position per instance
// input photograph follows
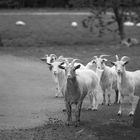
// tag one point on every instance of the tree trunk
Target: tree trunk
(119, 21)
(121, 29)
(136, 122)
(1, 44)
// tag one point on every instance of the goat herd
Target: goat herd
(75, 81)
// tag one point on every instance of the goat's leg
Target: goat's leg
(69, 115)
(95, 106)
(91, 101)
(109, 100)
(109, 95)
(104, 100)
(133, 101)
(117, 96)
(58, 90)
(120, 108)
(95, 101)
(77, 113)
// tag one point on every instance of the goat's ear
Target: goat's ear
(61, 67)
(49, 64)
(126, 62)
(52, 60)
(113, 63)
(93, 61)
(43, 59)
(77, 67)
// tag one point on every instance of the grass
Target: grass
(54, 34)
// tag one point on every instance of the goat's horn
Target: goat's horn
(53, 55)
(94, 57)
(103, 55)
(125, 58)
(117, 57)
(61, 58)
(73, 61)
(69, 59)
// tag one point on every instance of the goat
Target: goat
(92, 66)
(49, 59)
(58, 74)
(108, 78)
(78, 83)
(127, 83)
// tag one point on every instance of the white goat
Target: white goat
(57, 74)
(127, 83)
(48, 59)
(108, 78)
(92, 66)
(78, 83)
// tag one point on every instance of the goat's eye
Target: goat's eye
(102, 62)
(51, 60)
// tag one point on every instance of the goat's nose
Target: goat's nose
(69, 76)
(119, 71)
(99, 68)
(55, 72)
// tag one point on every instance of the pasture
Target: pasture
(23, 47)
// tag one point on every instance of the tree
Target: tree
(1, 44)
(136, 122)
(122, 10)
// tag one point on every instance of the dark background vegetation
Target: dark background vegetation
(61, 3)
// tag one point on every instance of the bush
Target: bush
(80, 3)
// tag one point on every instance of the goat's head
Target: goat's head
(120, 64)
(99, 61)
(56, 63)
(70, 68)
(49, 58)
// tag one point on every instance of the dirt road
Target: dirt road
(26, 93)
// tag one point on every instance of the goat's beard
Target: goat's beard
(119, 77)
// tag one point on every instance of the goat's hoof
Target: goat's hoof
(64, 110)
(67, 123)
(119, 113)
(103, 103)
(115, 103)
(77, 124)
(94, 109)
(109, 104)
(89, 108)
(131, 114)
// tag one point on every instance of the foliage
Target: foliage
(120, 10)
(80, 3)
(32, 3)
